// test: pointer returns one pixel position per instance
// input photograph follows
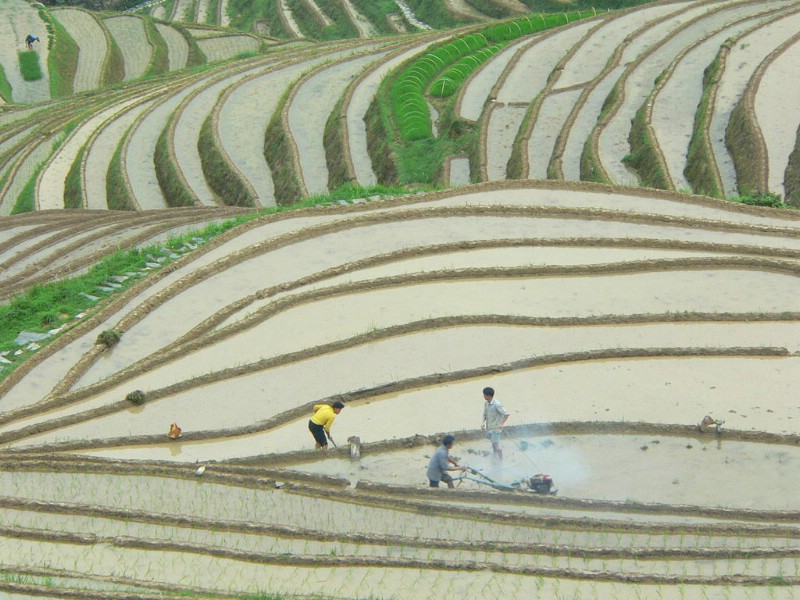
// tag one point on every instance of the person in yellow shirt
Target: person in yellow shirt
(320, 423)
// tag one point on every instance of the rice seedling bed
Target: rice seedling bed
(359, 102)
(86, 30)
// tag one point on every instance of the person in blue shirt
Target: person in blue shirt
(439, 464)
(29, 39)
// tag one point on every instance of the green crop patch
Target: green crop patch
(29, 65)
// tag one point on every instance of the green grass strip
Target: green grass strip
(62, 60)
(73, 186)
(159, 61)
(791, 182)
(115, 62)
(644, 158)
(221, 178)
(117, 195)
(306, 20)
(5, 87)
(212, 18)
(169, 180)
(701, 171)
(342, 27)
(491, 9)
(436, 14)
(376, 11)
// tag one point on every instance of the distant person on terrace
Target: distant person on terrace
(320, 423)
(29, 39)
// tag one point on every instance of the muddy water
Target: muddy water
(166, 322)
(703, 471)
(459, 171)
(749, 393)
(529, 75)
(242, 401)
(503, 126)
(593, 54)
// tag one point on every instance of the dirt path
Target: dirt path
(129, 33)
(177, 46)
(18, 19)
(87, 32)
(775, 105)
(308, 113)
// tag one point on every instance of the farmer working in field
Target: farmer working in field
(494, 417)
(29, 39)
(438, 466)
(320, 423)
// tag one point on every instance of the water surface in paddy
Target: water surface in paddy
(704, 471)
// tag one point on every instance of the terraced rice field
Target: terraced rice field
(609, 315)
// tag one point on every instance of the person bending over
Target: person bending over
(321, 421)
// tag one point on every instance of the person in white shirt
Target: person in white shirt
(494, 417)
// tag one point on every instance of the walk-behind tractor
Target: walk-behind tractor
(540, 483)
